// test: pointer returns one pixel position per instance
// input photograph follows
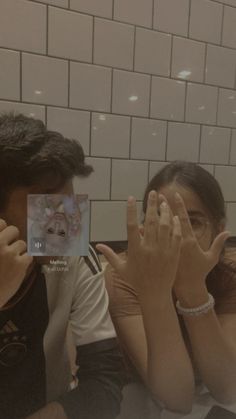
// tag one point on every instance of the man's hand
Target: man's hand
(14, 261)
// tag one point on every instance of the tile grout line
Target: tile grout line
(153, 12)
(150, 98)
(217, 106)
(69, 83)
(200, 143)
(111, 177)
(47, 29)
(205, 64)
(230, 145)
(21, 76)
(93, 38)
(134, 49)
(90, 132)
(167, 134)
(113, 9)
(130, 137)
(222, 25)
(189, 17)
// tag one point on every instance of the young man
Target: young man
(36, 303)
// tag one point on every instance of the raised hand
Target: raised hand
(195, 263)
(152, 258)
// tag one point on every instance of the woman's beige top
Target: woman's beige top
(124, 298)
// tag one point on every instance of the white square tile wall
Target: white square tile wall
(94, 7)
(71, 123)
(201, 106)
(229, 35)
(231, 219)
(152, 52)
(29, 33)
(206, 21)
(168, 99)
(183, 142)
(156, 166)
(138, 12)
(215, 145)
(110, 136)
(227, 108)
(70, 34)
(148, 139)
(103, 215)
(226, 176)
(138, 83)
(188, 58)
(44, 80)
(131, 93)
(9, 74)
(172, 16)
(129, 177)
(220, 66)
(33, 111)
(97, 185)
(90, 87)
(113, 44)
(233, 148)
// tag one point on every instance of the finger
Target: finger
(176, 235)
(151, 219)
(141, 230)
(132, 224)
(218, 244)
(186, 227)
(3, 224)
(110, 256)
(162, 198)
(9, 235)
(164, 225)
(26, 260)
(19, 247)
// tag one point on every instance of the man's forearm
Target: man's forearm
(50, 411)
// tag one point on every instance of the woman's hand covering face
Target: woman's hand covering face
(195, 263)
(153, 257)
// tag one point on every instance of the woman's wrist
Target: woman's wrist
(192, 296)
(153, 303)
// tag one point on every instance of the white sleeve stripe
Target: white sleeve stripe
(95, 257)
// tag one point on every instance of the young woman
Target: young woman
(173, 293)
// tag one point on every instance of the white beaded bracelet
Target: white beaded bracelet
(196, 311)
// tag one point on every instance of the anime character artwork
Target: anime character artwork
(58, 225)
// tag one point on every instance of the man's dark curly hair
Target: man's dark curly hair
(30, 154)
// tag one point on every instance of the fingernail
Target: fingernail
(177, 196)
(152, 195)
(164, 205)
(131, 200)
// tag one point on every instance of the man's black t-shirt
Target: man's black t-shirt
(22, 360)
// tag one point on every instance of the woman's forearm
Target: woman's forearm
(169, 371)
(214, 353)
